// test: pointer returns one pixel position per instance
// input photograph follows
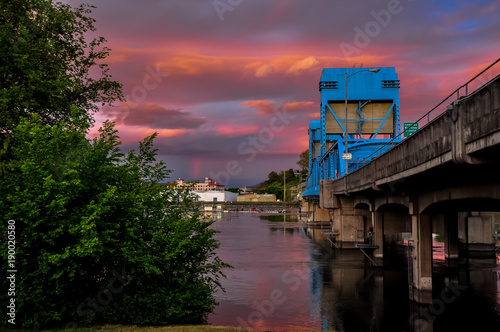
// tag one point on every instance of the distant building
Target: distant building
(208, 185)
(179, 183)
(251, 197)
(215, 196)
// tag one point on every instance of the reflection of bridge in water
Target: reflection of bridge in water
(359, 297)
(443, 179)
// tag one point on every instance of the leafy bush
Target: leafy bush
(98, 239)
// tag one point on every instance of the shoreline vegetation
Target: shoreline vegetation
(294, 203)
(90, 235)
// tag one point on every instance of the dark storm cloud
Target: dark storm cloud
(154, 116)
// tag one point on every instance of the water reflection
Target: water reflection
(287, 276)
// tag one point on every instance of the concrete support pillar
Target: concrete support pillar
(451, 238)
(349, 225)
(322, 214)
(346, 222)
(378, 254)
(462, 230)
(421, 287)
(481, 230)
(306, 206)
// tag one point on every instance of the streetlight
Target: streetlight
(373, 70)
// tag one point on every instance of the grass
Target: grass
(123, 328)
(180, 328)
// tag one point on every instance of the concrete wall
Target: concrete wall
(220, 196)
(321, 214)
(257, 198)
(477, 230)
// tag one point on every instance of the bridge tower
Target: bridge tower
(370, 97)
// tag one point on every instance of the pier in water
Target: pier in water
(286, 276)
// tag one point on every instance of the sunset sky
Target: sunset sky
(231, 85)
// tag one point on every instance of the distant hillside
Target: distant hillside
(277, 181)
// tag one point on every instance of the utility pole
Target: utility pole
(284, 185)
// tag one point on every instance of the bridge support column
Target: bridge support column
(378, 254)
(481, 231)
(451, 238)
(421, 281)
(307, 206)
(319, 214)
(348, 222)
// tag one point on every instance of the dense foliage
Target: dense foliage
(277, 182)
(47, 65)
(85, 215)
(304, 160)
(97, 238)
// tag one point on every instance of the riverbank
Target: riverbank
(124, 328)
(267, 207)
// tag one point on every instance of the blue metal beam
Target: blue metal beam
(364, 87)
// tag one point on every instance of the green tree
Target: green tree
(98, 239)
(304, 160)
(290, 175)
(48, 66)
(273, 188)
(273, 177)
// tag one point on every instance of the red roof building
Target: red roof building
(208, 185)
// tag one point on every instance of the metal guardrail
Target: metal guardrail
(428, 114)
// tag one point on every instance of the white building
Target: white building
(215, 196)
(208, 185)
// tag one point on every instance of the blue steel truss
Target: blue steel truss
(373, 122)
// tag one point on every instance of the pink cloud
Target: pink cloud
(152, 116)
(134, 134)
(236, 130)
(263, 106)
(305, 64)
(301, 106)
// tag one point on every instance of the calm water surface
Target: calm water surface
(286, 277)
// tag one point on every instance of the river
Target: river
(285, 276)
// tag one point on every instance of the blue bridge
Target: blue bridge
(375, 190)
(360, 116)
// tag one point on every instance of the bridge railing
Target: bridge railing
(475, 83)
